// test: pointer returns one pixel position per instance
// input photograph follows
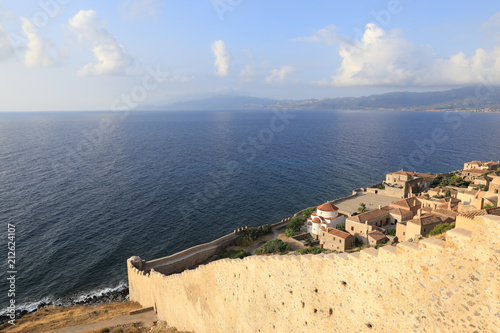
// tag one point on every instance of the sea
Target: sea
(83, 191)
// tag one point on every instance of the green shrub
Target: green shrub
(341, 226)
(250, 234)
(295, 224)
(235, 254)
(274, 246)
(266, 229)
(312, 250)
(442, 228)
(308, 241)
(308, 211)
(289, 233)
(391, 232)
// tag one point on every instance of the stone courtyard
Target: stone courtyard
(372, 201)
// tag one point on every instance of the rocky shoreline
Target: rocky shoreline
(119, 294)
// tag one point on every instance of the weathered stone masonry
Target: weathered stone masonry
(433, 286)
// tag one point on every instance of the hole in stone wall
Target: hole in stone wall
(283, 303)
(315, 310)
(368, 325)
(291, 292)
(343, 283)
(330, 312)
(303, 304)
(316, 290)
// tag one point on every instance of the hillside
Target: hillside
(449, 100)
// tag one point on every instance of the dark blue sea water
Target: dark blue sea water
(87, 190)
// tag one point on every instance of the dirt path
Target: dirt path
(147, 318)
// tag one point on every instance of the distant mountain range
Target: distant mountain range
(449, 100)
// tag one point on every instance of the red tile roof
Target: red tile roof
(477, 171)
(316, 220)
(362, 218)
(328, 207)
(426, 220)
(338, 233)
(407, 203)
(481, 212)
(377, 235)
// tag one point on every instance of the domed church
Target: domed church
(326, 215)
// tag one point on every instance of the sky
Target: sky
(58, 55)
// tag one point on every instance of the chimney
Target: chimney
(379, 206)
(481, 205)
(419, 213)
(449, 205)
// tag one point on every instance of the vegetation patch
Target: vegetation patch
(308, 211)
(495, 204)
(250, 234)
(449, 180)
(442, 228)
(234, 254)
(274, 246)
(391, 232)
(341, 226)
(312, 250)
(293, 226)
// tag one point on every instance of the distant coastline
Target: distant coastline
(466, 99)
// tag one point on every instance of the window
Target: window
(352, 228)
(403, 233)
(340, 240)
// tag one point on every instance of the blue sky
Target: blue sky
(87, 55)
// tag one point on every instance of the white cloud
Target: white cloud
(381, 58)
(248, 72)
(37, 51)
(140, 9)
(6, 48)
(491, 26)
(327, 35)
(112, 58)
(278, 75)
(222, 58)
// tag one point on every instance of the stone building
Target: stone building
(473, 174)
(404, 184)
(420, 225)
(494, 186)
(466, 220)
(334, 239)
(376, 237)
(492, 165)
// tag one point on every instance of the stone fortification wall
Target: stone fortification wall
(195, 255)
(433, 286)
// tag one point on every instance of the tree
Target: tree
(448, 193)
(295, 224)
(341, 226)
(289, 233)
(362, 208)
(391, 232)
(308, 241)
(442, 228)
(274, 246)
(308, 211)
